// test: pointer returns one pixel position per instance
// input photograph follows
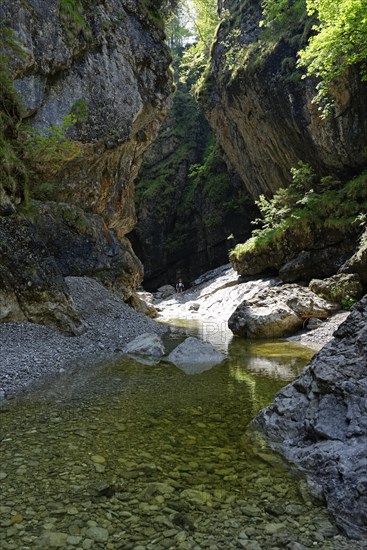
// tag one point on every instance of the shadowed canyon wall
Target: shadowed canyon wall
(188, 204)
(109, 61)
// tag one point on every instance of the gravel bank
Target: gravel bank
(29, 352)
(318, 337)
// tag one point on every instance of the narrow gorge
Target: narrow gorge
(183, 274)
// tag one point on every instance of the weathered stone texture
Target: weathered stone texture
(31, 285)
(278, 312)
(262, 111)
(319, 423)
(112, 58)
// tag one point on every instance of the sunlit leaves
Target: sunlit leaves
(340, 40)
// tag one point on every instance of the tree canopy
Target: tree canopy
(340, 41)
(191, 31)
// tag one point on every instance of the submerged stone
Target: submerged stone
(194, 356)
(146, 347)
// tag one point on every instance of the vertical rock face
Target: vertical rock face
(188, 203)
(110, 59)
(262, 111)
(31, 285)
(106, 64)
(319, 422)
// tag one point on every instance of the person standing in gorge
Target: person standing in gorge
(179, 286)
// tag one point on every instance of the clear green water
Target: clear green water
(170, 450)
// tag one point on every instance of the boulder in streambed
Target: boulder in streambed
(319, 423)
(147, 348)
(164, 292)
(194, 356)
(340, 288)
(278, 312)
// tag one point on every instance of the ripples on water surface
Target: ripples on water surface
(126, 456)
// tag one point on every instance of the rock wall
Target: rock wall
(31, 285)
(111, 57)
(319, 423)
(261, 109)
(108, 60)
(82, 245)
(187, 201)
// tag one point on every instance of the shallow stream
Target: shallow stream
(126, 456)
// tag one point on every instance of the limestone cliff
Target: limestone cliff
(319, 423)
(262, 111)
(107, 65)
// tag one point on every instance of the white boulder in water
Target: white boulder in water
(194, 356)
(148, 346)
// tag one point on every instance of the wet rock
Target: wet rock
(146, 346)
(98, 459)
(98, 534)
(194, 356)
(278, 311)
(197, 497)
(53, 539)
(103, 490)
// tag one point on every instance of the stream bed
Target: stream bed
(127, 456)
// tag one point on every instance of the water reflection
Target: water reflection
(276, 359)
(128, 456)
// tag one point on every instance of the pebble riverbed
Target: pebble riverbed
(131, 457)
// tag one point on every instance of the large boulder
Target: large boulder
(358, 262)
(83, 246)
(341, 288)
(319, 423)
(277, 312)
(300, 255)
(194, 356)
(320, 263)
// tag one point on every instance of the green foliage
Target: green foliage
(158, 12)
(45, 152)
(202, 16)
(307, 205)
(340, 41)
(72, 18)
(155, 184)
(348, 302)
(80, 111)
(282, 15)
(177, 32)
(13, 173)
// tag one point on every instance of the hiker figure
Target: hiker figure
(179, 286)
